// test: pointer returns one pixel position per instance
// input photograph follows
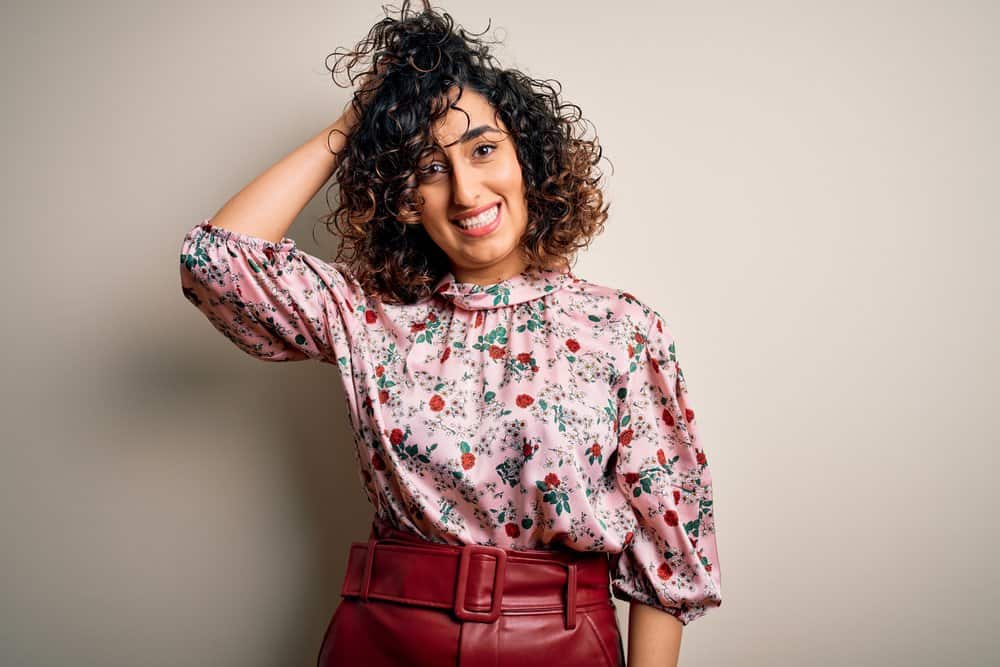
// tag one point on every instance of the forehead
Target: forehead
(467, 109)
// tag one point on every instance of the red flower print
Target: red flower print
(638, 337)
(370, 317)
(497, 352)
(513, 530)
(432, 317)
(625, 437)
(379, 370)
(383, 396)
(396, 436)
(479, 318)
(528, 450)
(446, 354)
(670, 517)
(659, 325)
(524, 357)
(534, 368)
(595, 449)
(677, 497)
(572, 345)
(551, 480)
(468, 460)
(524, 400)
(631, 478)
(701, 458)
(655, 364)
(377, 462)
(689, 414)
(437, 403)
(631, 350)
(418, 326)
(664, 572)
(444, 287)
(628, 295)
(667, 417)
(629, 536)
(661, 457)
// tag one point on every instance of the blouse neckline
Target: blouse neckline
(526, 286)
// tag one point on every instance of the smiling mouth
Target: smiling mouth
(479, 220)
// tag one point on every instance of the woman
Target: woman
(524, 435)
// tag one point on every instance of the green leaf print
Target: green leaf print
(500, 294)
(510, 471)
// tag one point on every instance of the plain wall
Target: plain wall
(807, 191)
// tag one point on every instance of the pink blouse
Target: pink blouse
(543, 411)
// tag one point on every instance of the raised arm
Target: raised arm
(268, 206)
(272, 300)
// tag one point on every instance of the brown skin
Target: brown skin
(654, 637)
(465, 175)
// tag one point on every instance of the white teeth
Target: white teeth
(484, 218)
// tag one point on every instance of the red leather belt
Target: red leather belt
(476, 582)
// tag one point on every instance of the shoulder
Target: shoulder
(615, 303)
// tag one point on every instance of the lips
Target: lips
(483, 229)
(474, 212)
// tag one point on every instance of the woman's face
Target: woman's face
(474, 203)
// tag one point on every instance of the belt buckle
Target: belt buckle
(463, 583)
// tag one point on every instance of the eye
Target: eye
(492, 148)
(429, 169)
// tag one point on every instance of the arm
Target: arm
(268, 206)
(669, 568)
(654, 637)
(272, 300)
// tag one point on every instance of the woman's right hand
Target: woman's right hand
(365, 90)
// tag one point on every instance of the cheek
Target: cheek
(435, 202)
(511, 173)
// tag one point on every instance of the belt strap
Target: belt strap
(499, 581)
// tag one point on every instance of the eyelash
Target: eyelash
(428, 169)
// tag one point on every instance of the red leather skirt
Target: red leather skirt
(407, 601)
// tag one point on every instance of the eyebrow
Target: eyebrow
(473, 133)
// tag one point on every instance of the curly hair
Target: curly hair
(415, 61)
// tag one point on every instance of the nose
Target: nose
(464, 186)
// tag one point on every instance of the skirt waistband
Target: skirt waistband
(475, 582)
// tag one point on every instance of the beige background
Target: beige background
(807, 191)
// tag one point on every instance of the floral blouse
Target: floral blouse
(543, 411)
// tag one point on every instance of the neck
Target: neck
(488, 275)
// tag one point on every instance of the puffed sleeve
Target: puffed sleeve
(670, 560)
(272, 300)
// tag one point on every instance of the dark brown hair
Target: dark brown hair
(418, 59)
